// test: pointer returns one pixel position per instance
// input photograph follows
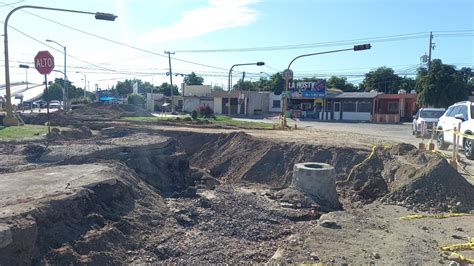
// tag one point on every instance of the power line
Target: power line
(120, 43)
(54, 48)
(408, 36)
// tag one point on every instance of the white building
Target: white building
(196, 95)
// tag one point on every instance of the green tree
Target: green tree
(277, 83)
(408, 84)
(193, 79)
(341, 83)
(245, 85)
(263, 84)
(442, 85)
(217, 88)
(383, 79)
(136, 99)
(55, 90)
(165, 88)
(126, 87)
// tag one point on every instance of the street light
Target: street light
(285, 99)
(85, 81)
(230, 73)
(65, 92)
(26, 73)
(9, 119)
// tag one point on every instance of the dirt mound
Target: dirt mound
(434, 187)
(81, 132)
(365, 182)
(402, 148)
(239, 157)
(109, 111)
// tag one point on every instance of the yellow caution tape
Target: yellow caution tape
(461, 258)
(467, 136)
(374, 147)
(450, 247)
(435, 216)
(457, 247)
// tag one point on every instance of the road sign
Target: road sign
(287, 74)
(44, 62)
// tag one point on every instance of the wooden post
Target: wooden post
(421, 145)
(454, 159)
(431, 145)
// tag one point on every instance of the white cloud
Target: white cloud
(220, 14)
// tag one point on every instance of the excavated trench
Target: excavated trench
(194, 197)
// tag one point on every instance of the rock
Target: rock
(424, 228)
(329, 224)
(5, 236)
(376, 255)
(454, 263)
(314, 256)
(459, 229)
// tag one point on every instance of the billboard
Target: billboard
(308, 89)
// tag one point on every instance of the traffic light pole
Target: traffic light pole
(285, 100)
(9, 119)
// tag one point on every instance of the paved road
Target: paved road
(394, 132)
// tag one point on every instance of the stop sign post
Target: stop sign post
(44, 63)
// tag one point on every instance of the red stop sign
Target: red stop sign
(44, 62)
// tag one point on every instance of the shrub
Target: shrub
(194, 114)
(205, 110)
(81, 100)
(136, 99)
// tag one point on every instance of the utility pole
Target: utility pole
(171, 79)
(429, 51)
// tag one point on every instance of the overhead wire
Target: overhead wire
(374, 39)
(54, 48)
(120, 43)
(313, 45)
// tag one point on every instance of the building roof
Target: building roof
(354, 95)
(225, 94)
(397, 96)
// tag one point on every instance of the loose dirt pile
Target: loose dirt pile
(434, 187)
(405, 176)
(239, 157)
(113, 111)
(84, 115)
(399, 175)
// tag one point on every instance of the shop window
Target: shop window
(305, 106)
(328, 107)
(364, 107)
(349, 107)
(392, 107)
(318, 107)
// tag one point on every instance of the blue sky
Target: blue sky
(204, 25)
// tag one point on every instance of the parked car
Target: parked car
(461, 115)
(428, 117)
(55, 104)
(39, 104)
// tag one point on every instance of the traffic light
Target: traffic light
(105, 16)
(362, 47)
